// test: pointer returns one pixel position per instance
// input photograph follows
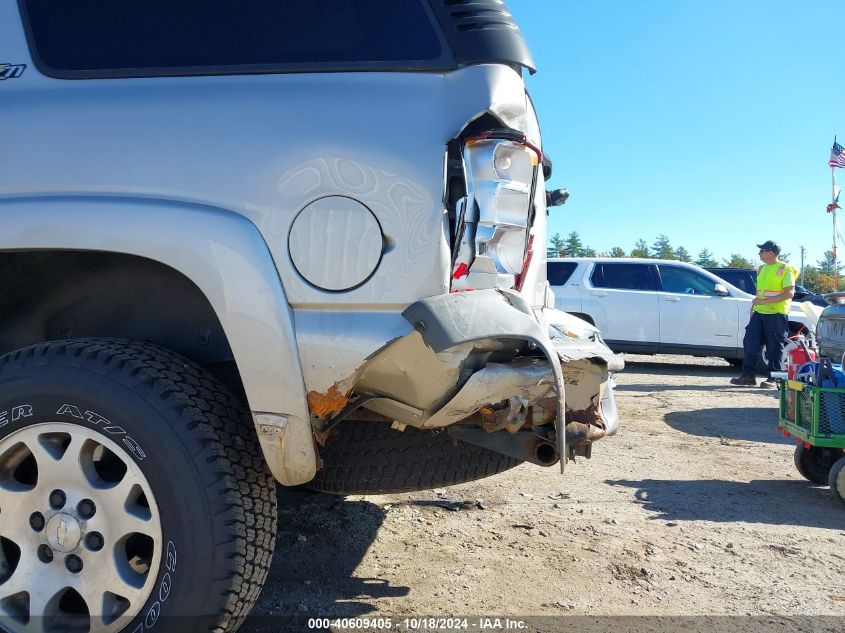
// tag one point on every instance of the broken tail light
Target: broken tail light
(494, 218)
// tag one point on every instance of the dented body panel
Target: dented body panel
(487, 359)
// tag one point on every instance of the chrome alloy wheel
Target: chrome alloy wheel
(80, 532)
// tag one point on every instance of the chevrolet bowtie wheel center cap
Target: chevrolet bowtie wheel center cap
(63, 532)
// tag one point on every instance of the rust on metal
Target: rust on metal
(494, 419)
(580, 433)
(511, 416)
(324, 404)
(590, 416)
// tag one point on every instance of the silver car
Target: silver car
(296, 242)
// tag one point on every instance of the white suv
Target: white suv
(657, 306)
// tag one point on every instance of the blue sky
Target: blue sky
(710, 122)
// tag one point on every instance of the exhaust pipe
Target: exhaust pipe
(526, 446)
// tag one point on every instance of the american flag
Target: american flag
(837, 155)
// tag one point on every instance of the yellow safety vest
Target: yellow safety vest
(771, 280)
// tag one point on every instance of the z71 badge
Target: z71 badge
(11, 71)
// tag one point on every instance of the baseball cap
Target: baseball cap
(769, 245)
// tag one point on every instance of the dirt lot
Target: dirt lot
(694, 508)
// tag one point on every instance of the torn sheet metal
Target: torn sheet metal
(477, 355)
(584, 384)
(409, 372)
(448, 320)
(575, 339)
(526, 378)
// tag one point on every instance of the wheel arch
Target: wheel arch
(216, 263)
(61, 294)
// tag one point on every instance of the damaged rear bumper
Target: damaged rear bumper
(531, 383)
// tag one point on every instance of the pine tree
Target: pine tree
(662, 249)
(683, 254)
(737, 261)
(617, 252)
(557, 245)
(573, 246)
(705, 259)
(640, 249)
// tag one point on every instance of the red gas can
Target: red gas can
(798, 356)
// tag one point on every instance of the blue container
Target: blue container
(838, 378)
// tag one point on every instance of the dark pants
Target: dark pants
(770, 330)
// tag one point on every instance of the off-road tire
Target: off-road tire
(836, 479)
(815, 463)
(196, 446)
(373, 458)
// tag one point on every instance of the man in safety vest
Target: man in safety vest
(768, 325)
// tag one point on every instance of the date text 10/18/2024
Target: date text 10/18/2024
(418, 624)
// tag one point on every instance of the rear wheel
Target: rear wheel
(836, 479)
(373, 458)
(131, 490)
(815, 463)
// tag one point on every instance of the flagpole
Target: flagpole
(833, 202)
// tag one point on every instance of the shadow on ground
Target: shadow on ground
(693, 368)
(748, 424)
(773, 502)
(658, 387)
(321, 541)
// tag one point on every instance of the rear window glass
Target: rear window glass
(558, 273)
(623, 277)
(121, 36)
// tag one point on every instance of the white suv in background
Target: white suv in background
(657, 306)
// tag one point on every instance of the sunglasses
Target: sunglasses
(765, 250)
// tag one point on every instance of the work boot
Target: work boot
(745, 381)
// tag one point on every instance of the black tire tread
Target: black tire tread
(372, 458)
(805, 464)
(194, 399)
(836, 479)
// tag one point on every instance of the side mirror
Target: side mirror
(556, 197)
(720, 291)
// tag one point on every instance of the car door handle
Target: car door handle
(599, 293)
(672, 299)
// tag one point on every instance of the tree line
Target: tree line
(817, 278)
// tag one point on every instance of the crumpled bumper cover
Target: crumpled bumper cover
(488, 359)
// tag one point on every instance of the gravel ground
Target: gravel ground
(694, 509)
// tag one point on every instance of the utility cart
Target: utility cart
(815, 417)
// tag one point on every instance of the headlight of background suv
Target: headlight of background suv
(494, 218)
